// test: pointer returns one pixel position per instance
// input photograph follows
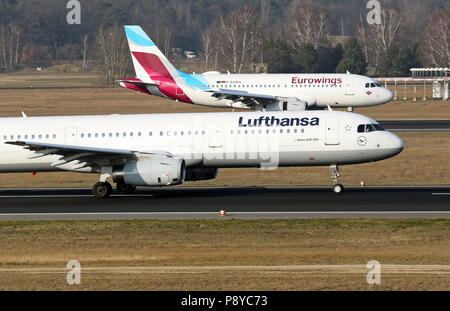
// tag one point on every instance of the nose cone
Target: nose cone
(388, 95)
(395, 145)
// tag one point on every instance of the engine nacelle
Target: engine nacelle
(193, 174)
(151, 172)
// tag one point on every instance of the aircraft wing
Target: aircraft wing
(85, 156)
(252, 100)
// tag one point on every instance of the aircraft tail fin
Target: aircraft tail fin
(148, 60)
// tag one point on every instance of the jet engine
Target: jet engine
(193, 174)
(151, 172)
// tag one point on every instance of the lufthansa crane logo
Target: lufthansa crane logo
(362, 141)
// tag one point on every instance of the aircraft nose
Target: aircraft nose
(396, 144)
(389, 95)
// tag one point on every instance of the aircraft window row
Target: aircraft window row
(365, 128)
(29, 136)
(178, 133)
(267, 131)
(264, 86)
(370, 85)
(139, 134)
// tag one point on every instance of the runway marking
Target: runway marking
(386, 268)
(229, 213)
(440, 193)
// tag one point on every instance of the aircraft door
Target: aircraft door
(349, 86)
(332, 131)
(216, 137)
(71, 136)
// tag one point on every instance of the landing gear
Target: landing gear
(102, 190)
(125, 188)
(337, 188)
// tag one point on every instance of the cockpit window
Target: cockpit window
(373, 85)
(365, 128)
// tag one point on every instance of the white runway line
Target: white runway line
(440, 193)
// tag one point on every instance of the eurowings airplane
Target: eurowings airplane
(155, 75)
(168, 149)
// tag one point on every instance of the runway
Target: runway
(238, 202)
(416, 125)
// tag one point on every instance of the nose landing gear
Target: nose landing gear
(337, 188)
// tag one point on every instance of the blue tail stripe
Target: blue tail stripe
(138, 36)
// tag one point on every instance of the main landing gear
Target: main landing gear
(103, 189)
(337, 188)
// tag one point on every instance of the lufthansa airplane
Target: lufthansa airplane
(168, 149)
(155, 75)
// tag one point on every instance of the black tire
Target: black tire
(125, 188)
(102, 190)
(338, 189)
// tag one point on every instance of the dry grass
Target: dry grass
(215, 243)
(57, 77)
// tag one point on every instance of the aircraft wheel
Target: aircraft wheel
(338, 189)
(102, 190)
(125, 188)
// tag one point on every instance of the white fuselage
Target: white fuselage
(317, 90)
(246, 139)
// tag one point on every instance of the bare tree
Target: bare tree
(236, 31)
(309, 24)
(362, 38)
(207, 47)
(85, 45)
(114, 48)
(10, 44)
(436, 38)
(386, 33)
(376, 39)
